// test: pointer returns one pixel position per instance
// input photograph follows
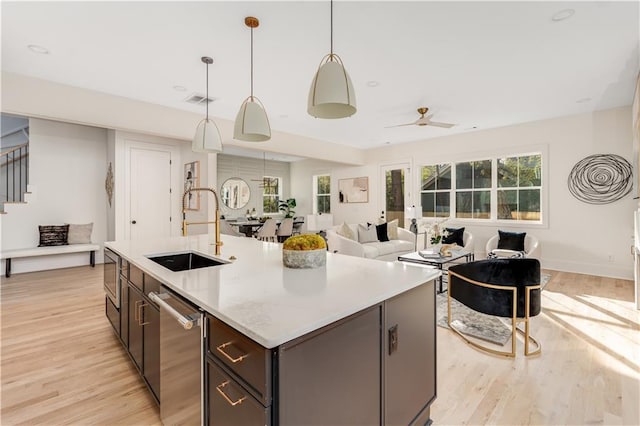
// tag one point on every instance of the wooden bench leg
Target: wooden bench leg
(92, 258)
(7, 268)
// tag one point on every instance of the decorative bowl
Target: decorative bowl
(304, 259)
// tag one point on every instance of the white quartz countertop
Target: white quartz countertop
(266, 301)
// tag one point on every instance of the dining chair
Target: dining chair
(285, 230)
(226, 228)
(268, 231)
(298, 222)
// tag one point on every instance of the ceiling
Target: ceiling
(476, 64)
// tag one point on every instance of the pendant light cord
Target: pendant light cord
(207, 99)
(332, 28)
(252, 63)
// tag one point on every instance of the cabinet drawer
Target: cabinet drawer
(230, 403)
(112, 314)
(135, 276)
(246, 358)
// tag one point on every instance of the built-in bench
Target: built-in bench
(7, 255)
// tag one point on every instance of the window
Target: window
(519, 186)
(473, 190)
(271, 194)
(435, 190)
(506, 188)
(322, 194)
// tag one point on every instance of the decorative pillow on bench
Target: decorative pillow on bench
(80, 234)
(53, 235)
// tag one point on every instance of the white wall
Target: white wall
(67, 173)
(577, 237)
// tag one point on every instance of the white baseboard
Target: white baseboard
(610, 270)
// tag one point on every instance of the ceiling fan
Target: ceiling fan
(424, 121)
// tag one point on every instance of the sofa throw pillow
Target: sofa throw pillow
(53, 235)
(80, 234)
(392, 229)
(511, 240)
(381, 231)
(367, 234)
(454, 236)
(345, 231)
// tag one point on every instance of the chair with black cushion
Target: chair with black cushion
(461, 237)
(512, 244)
(508, 288)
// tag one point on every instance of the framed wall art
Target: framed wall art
(192, 180)
(354, 190)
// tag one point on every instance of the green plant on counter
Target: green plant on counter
(287, 207)
(305, 242)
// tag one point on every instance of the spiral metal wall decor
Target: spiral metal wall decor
(601, 179)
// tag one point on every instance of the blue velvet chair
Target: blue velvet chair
(508, 288)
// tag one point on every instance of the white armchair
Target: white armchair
(530, 245)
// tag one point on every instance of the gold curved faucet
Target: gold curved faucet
(218, 243)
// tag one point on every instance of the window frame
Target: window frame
(277, 196)
(493, 220)
(316, 194)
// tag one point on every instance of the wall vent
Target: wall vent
(198, 98)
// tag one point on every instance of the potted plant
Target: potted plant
(304, 251)
(287, 207)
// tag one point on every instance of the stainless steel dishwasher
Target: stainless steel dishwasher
(181, 360)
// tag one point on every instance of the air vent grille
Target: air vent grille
(198, 98)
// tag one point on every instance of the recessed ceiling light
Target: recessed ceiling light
(583, 100)
(283, 116)
(38, 49)
(562, 15)
(180, 88)
(373, 83)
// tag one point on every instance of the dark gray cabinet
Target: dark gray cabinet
(374, 367)
(138, 323)
(135, 326)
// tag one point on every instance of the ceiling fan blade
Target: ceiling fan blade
(437, 124)
(400, 125)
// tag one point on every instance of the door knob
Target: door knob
(133, 222)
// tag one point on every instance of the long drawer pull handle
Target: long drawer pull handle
(229, 357)
(135, 311)
(224, 395)
(140, 313)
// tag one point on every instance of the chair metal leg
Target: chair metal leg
(514, 322)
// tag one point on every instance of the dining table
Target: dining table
(247, 227)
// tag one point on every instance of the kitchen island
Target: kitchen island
(352, 342)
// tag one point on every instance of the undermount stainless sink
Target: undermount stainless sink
(185, 261)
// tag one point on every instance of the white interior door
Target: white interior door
(395, 191)
(150, 194)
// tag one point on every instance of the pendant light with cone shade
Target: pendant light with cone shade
(331, 94)
(207, 138)
(252, 124)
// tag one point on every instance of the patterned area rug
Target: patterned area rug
(476, 324)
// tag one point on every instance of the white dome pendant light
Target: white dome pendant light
(331, 94)
(207, 138)
(252, 124)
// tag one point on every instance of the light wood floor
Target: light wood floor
(61, 363)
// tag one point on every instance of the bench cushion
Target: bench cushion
(47, 250)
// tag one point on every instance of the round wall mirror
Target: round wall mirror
(235, 193)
